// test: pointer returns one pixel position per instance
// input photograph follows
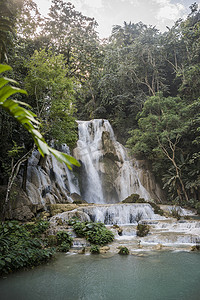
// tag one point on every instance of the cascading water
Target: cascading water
(89, 152)
(109, 176)
(106, 176)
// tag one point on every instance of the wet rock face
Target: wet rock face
(20, 207)
(49, 185)
(148, 180)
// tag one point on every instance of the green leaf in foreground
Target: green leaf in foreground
(28, 119)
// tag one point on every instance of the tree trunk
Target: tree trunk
(25, 175)
(42, 162)
(13, 174)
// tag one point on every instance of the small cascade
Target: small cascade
(109, 176)
(163, 231)
(80, 243)
(121, 213)
(111, 214)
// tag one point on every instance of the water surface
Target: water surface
(157, 276)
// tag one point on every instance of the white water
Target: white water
(100, 183)
(121, 213)
(91, 150)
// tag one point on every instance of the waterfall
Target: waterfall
(108, 172)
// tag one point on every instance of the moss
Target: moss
(59, 208)
(132, 198)
(156, 208)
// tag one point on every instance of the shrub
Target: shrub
(79, 228)
(19, 248)
(38, 227)
(95, 249)
(95, 233)
(51, 240)
(64, 247)
(123, 250)
(142, 230)
(63, 236)
(64, 241)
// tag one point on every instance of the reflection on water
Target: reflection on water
(156, 276)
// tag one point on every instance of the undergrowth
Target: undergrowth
(22, 246)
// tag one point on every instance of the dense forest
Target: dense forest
(146, 83)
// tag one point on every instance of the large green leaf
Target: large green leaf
(63, 157)
(8, 91)
(28, 119)
(4, 68)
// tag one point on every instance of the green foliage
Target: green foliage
(19, 248)
(123, 250)
(6, 27)
(63, 236)
(73, 34)
(27, 119)
(64, 247)
(95, 233)
(142, 230)
(40, 227)
(64, 241)
(51, 240)
(52, 95)
(95, 249)
(167, 146)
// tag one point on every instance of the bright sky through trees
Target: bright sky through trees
(159, 13)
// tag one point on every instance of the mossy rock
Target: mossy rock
(77, 199)
(142, 230)
(59, 208)
(131, 199)
(123, 251)
(156, 208)
(195, 248)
